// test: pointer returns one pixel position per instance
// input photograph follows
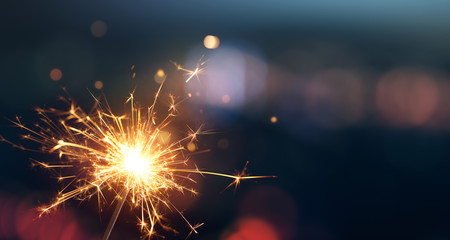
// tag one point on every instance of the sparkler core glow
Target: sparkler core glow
(137, 165)
(129, 155)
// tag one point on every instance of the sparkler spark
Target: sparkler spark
(128, 155)
(194, 72)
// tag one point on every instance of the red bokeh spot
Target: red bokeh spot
(19, 220)
(254, 229)
(51, 226)
(27, 224)
(70, 232)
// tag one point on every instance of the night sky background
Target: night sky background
(360, 90)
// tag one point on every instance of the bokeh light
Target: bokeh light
(55, 74)
(232, 78)
(211, 42)
(98, 29)
(71, 54)
(160, 75)
(226, 98)
(334, 98)
(191, 146)
(98, 85)
(254, 229)
(406, 97)
(273, 119)
(328, 99)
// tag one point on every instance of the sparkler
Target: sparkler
(126, 155)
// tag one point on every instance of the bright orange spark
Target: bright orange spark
(122, 154)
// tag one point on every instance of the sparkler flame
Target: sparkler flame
(128, 155)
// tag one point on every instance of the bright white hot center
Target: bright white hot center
(136, 164)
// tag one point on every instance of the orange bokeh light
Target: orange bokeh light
(273, 119)
(55, 74)
(98, 85)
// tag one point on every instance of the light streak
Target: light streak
(122, 154)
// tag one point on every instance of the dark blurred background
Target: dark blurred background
(347, 102)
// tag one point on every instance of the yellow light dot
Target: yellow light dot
(98, 29)
(160, 75)
(211, 42)
(226, 98)
(273, 119)
(55, 74)
(189, 95)
(191, 146)
(98, 85)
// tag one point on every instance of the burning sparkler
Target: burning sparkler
(120, 154)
